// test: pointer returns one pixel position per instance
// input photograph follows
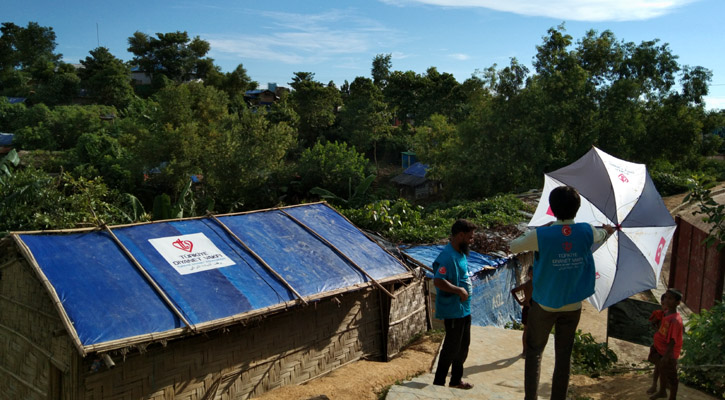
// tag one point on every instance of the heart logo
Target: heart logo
(660, 247)
(185, 245)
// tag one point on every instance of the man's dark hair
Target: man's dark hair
(675, 293)
(564, 202)
(462, 225)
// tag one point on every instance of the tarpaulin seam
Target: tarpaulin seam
(235, 250)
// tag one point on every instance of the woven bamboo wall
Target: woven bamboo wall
(33, 343)
(407, 315)
(287, 348)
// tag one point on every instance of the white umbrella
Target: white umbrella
(621, 194)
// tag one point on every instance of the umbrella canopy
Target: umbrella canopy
(622, 194)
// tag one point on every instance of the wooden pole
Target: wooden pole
(259, 259)
(336, 250)
(150, 280)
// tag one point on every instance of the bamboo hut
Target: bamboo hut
(219, 307)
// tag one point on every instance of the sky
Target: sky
(337, 40)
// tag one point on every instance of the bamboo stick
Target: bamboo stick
(9, 263)
(417, 310)
(24, 382)
(35, 310)
(96, 228)
(259, 259)
(51, 292)
(420, 264)
(151, 280)
(61, 365)
(340, 253)
(366, 235)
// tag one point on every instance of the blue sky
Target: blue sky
(337, 40)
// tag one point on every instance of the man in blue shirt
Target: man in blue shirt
(564, 275)
(453, 305)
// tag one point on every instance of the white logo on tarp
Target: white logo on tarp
(191, 253)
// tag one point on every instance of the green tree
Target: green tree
(242, 163)
(183, 121)
(61, 87)
(381, 69)
(106, 78)
(316, 105)
(173, 55)
(364, 119)
(402, 93)
(26, 53)
(437, 96)
(333, 166)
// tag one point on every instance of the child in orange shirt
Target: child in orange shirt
(666, 348)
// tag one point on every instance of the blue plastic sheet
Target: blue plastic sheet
(107, 298)
(492, 279)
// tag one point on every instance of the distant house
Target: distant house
(413, 183)
(139, 77)
(265, 97)
(259, 97)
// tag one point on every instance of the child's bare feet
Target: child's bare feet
(658, 395)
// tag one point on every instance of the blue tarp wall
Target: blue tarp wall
(107, 298)
(492, 279)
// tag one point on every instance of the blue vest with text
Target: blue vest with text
(564, 267)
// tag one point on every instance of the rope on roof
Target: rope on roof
(151, 281)
(258, 258)
(336, 250)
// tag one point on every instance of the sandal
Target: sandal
(463, 385)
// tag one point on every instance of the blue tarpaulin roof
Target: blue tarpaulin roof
(418, 169)
(476, 261)
(107, 299)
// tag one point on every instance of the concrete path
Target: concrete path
(494, 366)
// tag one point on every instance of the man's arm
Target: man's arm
(602, 233)
(446, 286)
(525, 242)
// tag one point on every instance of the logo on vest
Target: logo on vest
(566, 230)
(567, 246)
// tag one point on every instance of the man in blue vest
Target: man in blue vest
(563, 276)
(453, 304)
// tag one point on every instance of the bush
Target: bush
(704, 344)
(333, 166)
(399, 221)
(669, 183)
(589, 357)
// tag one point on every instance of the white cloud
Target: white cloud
(460, 56)
(302, 38)
(714, 103)
(578, 10)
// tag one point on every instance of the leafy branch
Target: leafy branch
(713, 213)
